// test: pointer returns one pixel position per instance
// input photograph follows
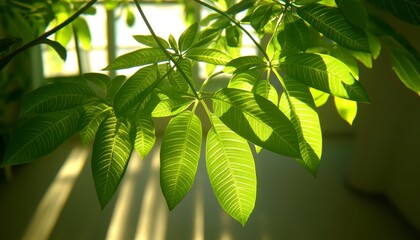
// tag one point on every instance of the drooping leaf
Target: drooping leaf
(110, 155)
(83, 33)
(179, 155)
(145, 135)
(41, 135)
(324, 73)
(59, 49)
(231, 170)
(330, 22)
(129, 17)
(188, 37)
(294, 35)
(257, 120)
(56, 96)
(148, 40)
(233, 36)
(136, 89)
(137, 58)
(407, 10)
(212, 56)
(93, 116)
(99, 79)
(407, 68)
(346, 109)
(320, 98)
(299, 107)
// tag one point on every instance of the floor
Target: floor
(54, 198)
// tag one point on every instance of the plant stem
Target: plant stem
(260, 48)
(38, 40)
(164, 49)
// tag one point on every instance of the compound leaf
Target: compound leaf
(137, 58)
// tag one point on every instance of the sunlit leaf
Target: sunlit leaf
(149, 40)
(137, 58)
(320, 98)
(136, 89)
(324, 73)
(56, 96)
(330, 22)
(299, 107)
(93, 116)
(167, 103)
(244, 63)
(231, 170)
(145, 135)
(179, 155)
(188, 37)
(41, 135)
(110, 155)
(212, 56)
(346, 109)
(257, 120)
(177, 79)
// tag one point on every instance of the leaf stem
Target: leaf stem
(237, 23)
(4, 61)
(143, 16)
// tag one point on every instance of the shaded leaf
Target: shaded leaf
(324, 73)
(110, 155)
(179, 155)
(231, 170)
(99, 79)
(188, 37)
(233, 36)
(83, 33)
(59, 49)
(407, 68)
(41, 135)
(257, 120)
(407, 10)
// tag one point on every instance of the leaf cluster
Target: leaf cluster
(269, 100)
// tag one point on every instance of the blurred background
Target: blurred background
(368, 184)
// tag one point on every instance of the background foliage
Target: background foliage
(269, 101)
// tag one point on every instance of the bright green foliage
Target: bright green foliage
(231, 170)
(110, 155)
(179, 155)
(312, 49)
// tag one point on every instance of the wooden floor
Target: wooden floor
(54, 198)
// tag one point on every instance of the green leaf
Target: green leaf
(149, 40)
(129, 17)
(346, 109)
(179, 155)
(244, 63)
(110, 155)
(59, 49)
(93, 116)
(257, 120)
(407, 10)
(145, 135)
(188, 37)
(407, 68)
(137, 58)
(168, 103)
(320, 98)
(231, 170)
(324, 73)
(114, 86)
(330, 22)
(136, 89)
(172, 42)
(56, 96)
(244, 80)
(233, 36)
(99, 79)
(41, 135)
(261, 16)
(354, 11)
(177, 80)
(212, 56)
(299, 107)
(83, 33)
(265, 89)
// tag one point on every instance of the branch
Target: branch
(38, 40)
